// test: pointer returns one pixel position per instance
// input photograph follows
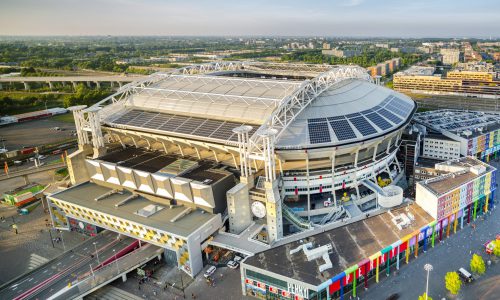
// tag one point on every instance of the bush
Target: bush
(477, 264)
(422, 297)
(453, 282)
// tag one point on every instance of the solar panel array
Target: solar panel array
(342, 130)
(363, 126)
(318, 131)
(206, 128)
(391, 111)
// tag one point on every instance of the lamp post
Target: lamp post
(428, 268)
(116, 261)
(96, 253)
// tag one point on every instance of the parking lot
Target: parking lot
(35, 133)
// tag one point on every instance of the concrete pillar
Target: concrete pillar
(119, 84)
(26, 86)
(112, 84)
(462, 219)
(51, 86)
(98, 84)
(397, 258)
(26, 179)
(74, 84)
(124, 277)
(88, 84)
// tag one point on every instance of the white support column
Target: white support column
(82, 135)
(333, 180)
(388, 146)
(356, 173)
(215, 156)
(180, 150)
(243, 149)
(197, 153)
(308, 188)
(375, 152)
(120, 140)
(95, 128)
(164, 147)
(397, 163)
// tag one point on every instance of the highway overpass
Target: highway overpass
(50, 80)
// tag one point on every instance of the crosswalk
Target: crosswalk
(36, 261)
(111, 293)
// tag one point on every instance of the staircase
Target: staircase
(334, 215)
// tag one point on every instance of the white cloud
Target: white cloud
(351, 3)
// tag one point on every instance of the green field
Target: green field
(68, 118)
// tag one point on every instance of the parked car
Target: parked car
(465, 275)
(238, 259)
(232, 264)
(210, 271)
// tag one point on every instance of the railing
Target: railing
(108, 273)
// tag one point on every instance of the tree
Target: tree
(496, 249)
(453, 282)
(422, 297)
(477, 264)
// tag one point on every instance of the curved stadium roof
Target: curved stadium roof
(350, 111)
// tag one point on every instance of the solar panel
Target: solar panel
(379, 121)
(392, 117)
(342, 130)
(190, 125)
(363, 126)
(318, 132)
(352, 115)
(336, 118)
(316, 120)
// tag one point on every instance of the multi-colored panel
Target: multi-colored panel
(486, 143)
(462, 196)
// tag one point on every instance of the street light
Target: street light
(428, 268)
(96, 253)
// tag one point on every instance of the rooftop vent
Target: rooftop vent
(149, 210)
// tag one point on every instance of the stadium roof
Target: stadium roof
(206, 102)
(349, 111)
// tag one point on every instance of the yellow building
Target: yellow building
(470, 75)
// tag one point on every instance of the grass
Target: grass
(68, 118)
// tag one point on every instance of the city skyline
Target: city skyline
(353, 18)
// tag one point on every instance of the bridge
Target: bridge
(82, 270)
(50, 80)
(26, 172)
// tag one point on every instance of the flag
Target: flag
(343, 184)
(321, 188)
(296, 191)
(6, 168)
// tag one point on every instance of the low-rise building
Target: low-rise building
(440, 147)
(465, 186)
(477, 132)
(341, 52)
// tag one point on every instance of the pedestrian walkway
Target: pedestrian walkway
(111, 293)
(36, 261)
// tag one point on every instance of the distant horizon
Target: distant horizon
(258, 36)
(292, 18)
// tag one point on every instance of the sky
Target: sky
(355, 18)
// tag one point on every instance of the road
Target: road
(98, 78)
(448, 256)
(56, 274)
(28, 171)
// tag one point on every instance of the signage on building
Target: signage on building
(298, 290)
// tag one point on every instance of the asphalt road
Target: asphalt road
(69, 266)
(450, 255)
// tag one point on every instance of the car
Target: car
(465, 275)
(394, 296)
(237, 259)
(210, 271)
(42, 157)
(233, 264)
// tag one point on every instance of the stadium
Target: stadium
(266, 148)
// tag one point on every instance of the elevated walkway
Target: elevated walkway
(109, 273)
(112, 293)
(373, 186)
